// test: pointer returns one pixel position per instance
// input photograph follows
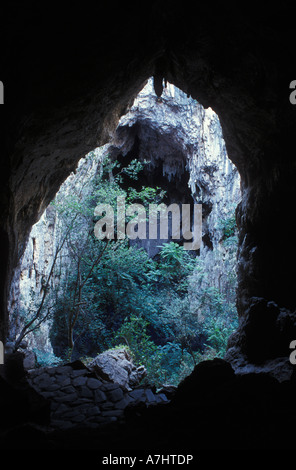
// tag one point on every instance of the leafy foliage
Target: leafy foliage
(228, 226)
(165, 309)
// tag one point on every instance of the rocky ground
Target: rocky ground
(78, 397)
(212, 409)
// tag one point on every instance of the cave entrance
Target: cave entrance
(169, 307)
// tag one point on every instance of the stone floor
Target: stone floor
(79, 398)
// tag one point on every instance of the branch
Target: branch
(94, 264)
(39, 323)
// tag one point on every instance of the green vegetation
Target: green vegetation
(108, 293)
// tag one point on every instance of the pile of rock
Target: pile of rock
(116, 365)
(79, 397)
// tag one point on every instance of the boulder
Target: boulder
(116, 365)
(30, 359)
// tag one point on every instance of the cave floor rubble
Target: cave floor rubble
(78, 398)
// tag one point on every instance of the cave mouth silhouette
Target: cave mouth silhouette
(132, 142)
(238, 61)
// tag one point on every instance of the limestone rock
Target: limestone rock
(116, 366)
(29, 361)
(78, 399)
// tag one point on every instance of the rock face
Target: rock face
(30, 278)
(64, 95)
(271, 356)
(33, 271)
(184, 146)
(186, 154)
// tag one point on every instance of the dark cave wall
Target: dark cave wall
(68, 77)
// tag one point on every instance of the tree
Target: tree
(99, 274)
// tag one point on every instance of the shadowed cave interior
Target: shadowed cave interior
(68, 100)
